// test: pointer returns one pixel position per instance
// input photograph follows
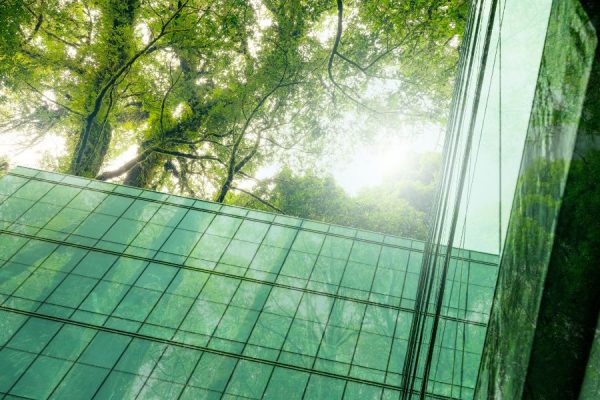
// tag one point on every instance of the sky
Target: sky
(383, 156)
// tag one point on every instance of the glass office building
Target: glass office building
(109, 291)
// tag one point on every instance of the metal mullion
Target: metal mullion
(20, 186)
(212, 272)
(79, 262)
(200, 348)
(85, 364)
(128, 245)
(394, 339)
(97, 313)
(290, 327)
(270, 286)
(83, 300)
(396, 324)
(124, 296)
(77, 359)
(38, 228)
(462, 372)
(444, 330)
(236, 289)
(117, 218)
(294, 317)
(186, 315)
(12, 195)
(339, 285)
(119, 332)
(361, 327)
(35, 358)
(101, 279)
(30, 237)
(165, 290)
(456, 340)
(262, 310)
(178, 329)
(162, 341)
(44, 259)
(58, 246)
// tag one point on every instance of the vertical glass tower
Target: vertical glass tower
(109, 291)
(114, 292)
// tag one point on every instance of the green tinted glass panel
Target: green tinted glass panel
(159, 296)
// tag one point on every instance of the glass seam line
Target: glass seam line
(205, 349)
(289, 329)
(12, 172)
(487, 263)
(116, 369)
(228, 275)
(216, 327)
(74, 309)
(461, 181)
(231, 340)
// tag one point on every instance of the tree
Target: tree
(209, 91)
(400, 205)
(237, 114)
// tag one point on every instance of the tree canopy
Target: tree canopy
(399, 205)
(209, 91)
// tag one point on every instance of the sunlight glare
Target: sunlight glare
(370, 164)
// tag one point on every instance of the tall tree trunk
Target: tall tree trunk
(116, 41)
(144, 172)
(89, 158)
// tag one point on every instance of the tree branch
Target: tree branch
(144, 155)
(233, 166)
(266, 203)
(89, 120)
(52, 101)
(334, 52)
(188, 155)
(164, 101)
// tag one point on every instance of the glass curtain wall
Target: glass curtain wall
(496, 101)
(566, 62)
(109, 291)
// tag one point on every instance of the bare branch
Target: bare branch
(164, 101)
(187, 155)
(51, 100)
(233, 166)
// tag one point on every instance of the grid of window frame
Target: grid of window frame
(258, 287)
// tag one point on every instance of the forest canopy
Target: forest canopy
(208, 92)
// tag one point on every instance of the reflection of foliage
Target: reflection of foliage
(520, 358)
(550, 265)
(534, 213)
(524, 260)
(398, 206)
(570, 302)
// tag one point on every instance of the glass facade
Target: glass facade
(486, 136)
(109, 291)
(509, 370)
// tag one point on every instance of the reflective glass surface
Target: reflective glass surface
(108, 291)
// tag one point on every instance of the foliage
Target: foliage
(209, 91)
(398, 206)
